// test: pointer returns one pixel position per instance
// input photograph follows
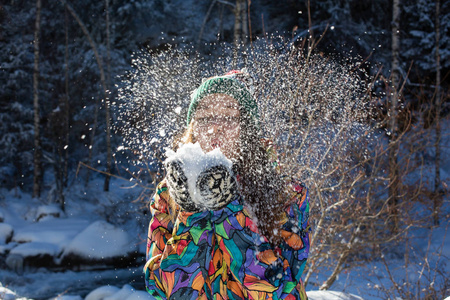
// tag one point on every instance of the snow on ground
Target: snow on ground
(7, 294)
(96, 226)
(127, 292)
(331, 295)
(45, 284)
(102, 292)
(113, 293)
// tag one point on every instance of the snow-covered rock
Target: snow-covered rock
(56, 231)
(114, 293)
(6, 232)
(331, 295)
(100, 242)
(124, 293)
(102, 292)
(34, 249)
(140, 295)
(34, 254)
(44, 212)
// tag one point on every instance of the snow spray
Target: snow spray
(315, 109)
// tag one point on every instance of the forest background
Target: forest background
(60, 63)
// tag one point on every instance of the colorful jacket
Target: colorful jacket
(221, 255)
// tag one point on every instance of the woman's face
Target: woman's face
(216, 124)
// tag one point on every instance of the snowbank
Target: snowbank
(100, 241)
(331, 295)
(55, 231)
(44, 212)
(127, 292)
(67, 297)
(102, 292)
(35, 249)
(113, 293)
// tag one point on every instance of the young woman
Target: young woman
(251, 240)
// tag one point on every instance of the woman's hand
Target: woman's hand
(177, 183)
(217, 187)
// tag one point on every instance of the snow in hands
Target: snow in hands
(198, 180)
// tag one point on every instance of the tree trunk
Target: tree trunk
(393, 117)
(37, 180)
(58, 167)
(249, 22)
(91, 142)
(437, 178)
(238, 12)
(244, 12)
(67, 99)
(107, 103)
(222, 8)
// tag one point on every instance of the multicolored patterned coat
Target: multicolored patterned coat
(221, 255)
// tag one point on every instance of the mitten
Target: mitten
(177, 183)
(217, 187)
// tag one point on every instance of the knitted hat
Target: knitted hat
(230, 84)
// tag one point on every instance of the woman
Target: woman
(252, 240)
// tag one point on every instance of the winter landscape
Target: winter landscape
(355, 96)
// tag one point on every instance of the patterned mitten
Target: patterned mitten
(177, 183)
(217, 187)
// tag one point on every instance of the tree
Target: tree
(418, 41)
(437, 178)
(393, 98)
(240, 23)
(67, 96)
(99, 61)
(37, 139)
(108, 101)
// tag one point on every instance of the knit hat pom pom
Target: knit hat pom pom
(244, 77)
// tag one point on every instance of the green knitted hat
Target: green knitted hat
(230, 86)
